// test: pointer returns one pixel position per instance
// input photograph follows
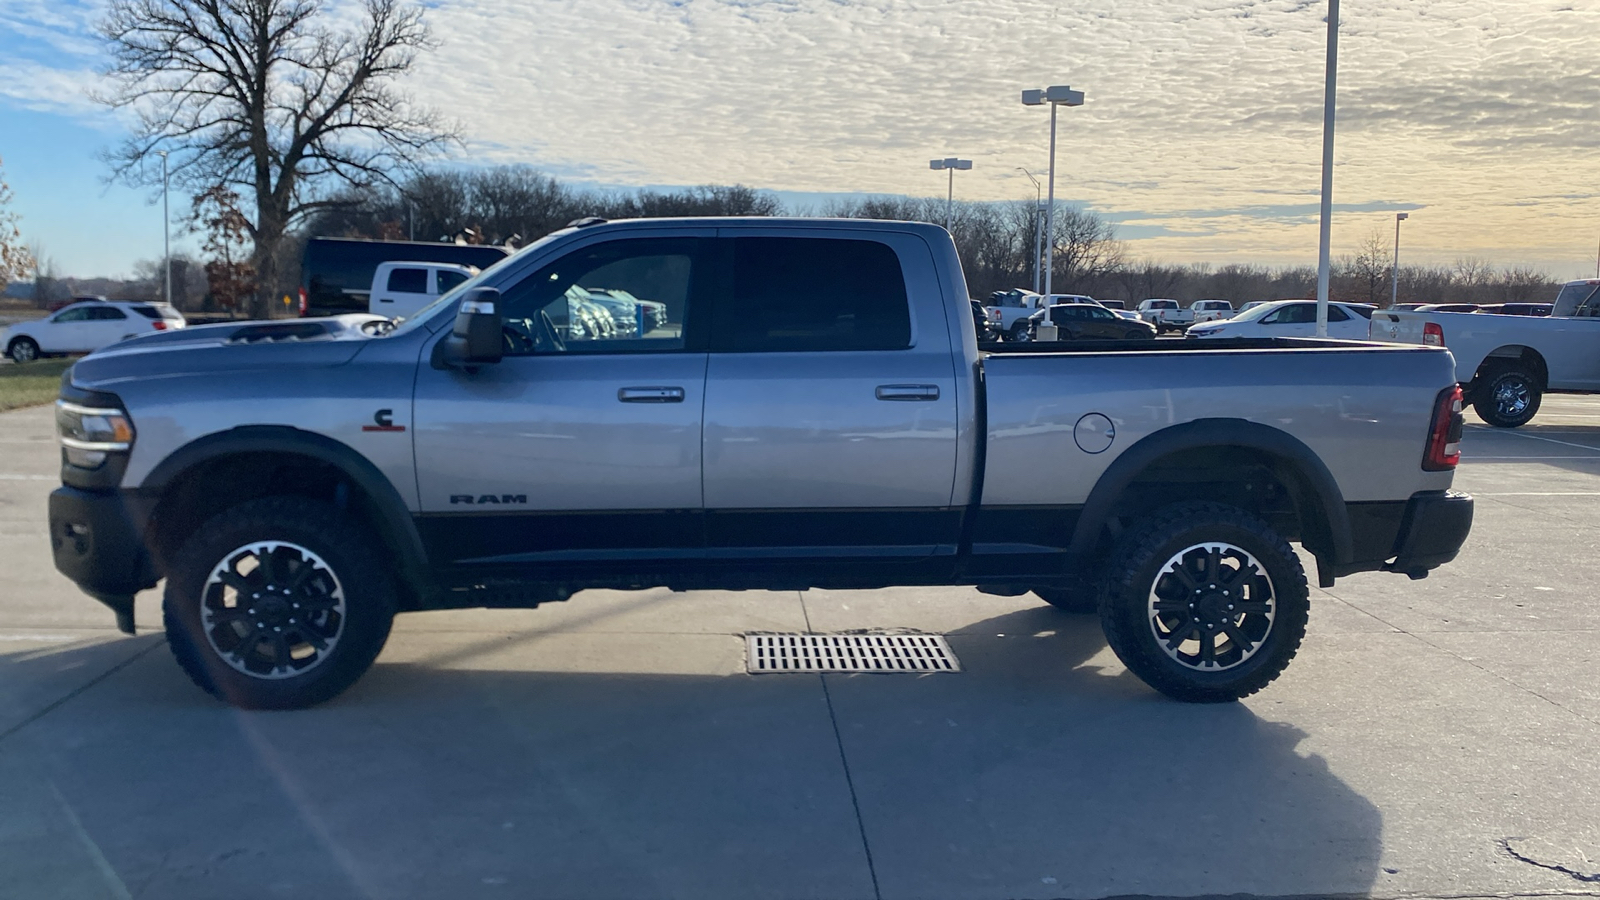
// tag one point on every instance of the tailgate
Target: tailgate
(1399, 327)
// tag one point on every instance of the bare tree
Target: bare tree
(263, 98)
(1366, 274)
(15, 259)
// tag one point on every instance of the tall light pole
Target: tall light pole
(1394, 286)
(951, 164)
(166, 232)
(1056, 95)
(1329, 90)
(1038, 231)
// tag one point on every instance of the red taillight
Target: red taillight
(1444, 435)
(1433, 334)
(302, 301)
(159, 325)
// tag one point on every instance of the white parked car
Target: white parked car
(1165, 314)
(1211, 310)
(1290, 318)
(86, 327)
(399, 289)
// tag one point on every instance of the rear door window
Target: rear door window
(812, 294)
(408, 281)
(106, 313)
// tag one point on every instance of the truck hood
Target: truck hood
(228, 347)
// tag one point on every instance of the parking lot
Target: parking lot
(1438, 738)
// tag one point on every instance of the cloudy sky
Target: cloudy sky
(1201, 135)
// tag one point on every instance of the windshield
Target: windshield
(1256, 312)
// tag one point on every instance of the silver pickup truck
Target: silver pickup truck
(815, 411)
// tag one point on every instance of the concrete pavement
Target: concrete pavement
(1437, 738)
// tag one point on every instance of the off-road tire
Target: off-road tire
(1079, 600)
(1131, 579)
(1502, 412)
(348, 551)
(23, 350)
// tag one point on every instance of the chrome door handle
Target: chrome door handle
(908, 392)
(650, 394)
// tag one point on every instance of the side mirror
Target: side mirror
(475, 340)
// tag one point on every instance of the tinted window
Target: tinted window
(587, 301)
(448, 280)
(1098, 313)
(1294, 314)
(1335, 314)
(73, 315)
(1362, 311)
(106, 312)
(155, 312)
(408, 281)
(812, 294)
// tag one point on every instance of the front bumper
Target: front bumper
(1432, 532)
(97, 539)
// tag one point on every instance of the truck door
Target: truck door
(573, 448)
(831, 416)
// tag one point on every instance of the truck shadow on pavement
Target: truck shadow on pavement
(1041, 770)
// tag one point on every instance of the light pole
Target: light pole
(1329, 90)
(951, 164)
(1038, 232)
(166, 232)
(1055, 95)
(1394, 286)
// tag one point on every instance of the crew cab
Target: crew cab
(824, 417)
(1507, 363)
(401, 288)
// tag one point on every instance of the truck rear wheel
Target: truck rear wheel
(1019, 331)
(278, 603)
(1507, 396)
(1204, 602)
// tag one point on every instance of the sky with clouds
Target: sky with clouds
(1201, 134)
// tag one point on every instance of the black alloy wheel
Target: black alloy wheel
(1508, 398)
(278, 603)
(1204, 602)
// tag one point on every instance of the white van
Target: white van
(402, 288)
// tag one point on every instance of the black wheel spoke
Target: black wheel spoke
(247, 644)
(1174, 606)
(269, 566)
(1260, 607)
(308, 633)
(1180, 634)
(302, 574)
(224, 615)
(280, 651)
(1181, 573)
(234, 580)
(1239, 638)
(1208, 647)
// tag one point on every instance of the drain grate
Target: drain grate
(848, 653)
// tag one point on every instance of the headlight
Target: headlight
(88, 433)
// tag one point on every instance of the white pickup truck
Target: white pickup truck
(1507, 363)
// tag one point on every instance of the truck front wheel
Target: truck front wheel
(1204, 602)
(1507, 396)
(278, 603)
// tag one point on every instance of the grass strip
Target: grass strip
(31, 384)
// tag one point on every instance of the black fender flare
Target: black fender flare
(395, 525)
(1316, 485)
